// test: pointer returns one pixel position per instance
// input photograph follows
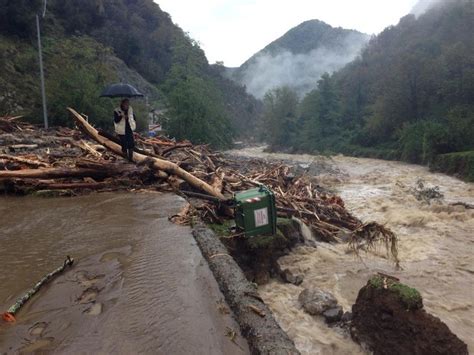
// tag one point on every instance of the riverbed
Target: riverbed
(435, 247)
(139, 283)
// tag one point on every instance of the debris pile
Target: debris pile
(68, 162)
(425, 193)
(10, 124)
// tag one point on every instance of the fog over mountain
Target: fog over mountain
(299, 58)
(424, 5)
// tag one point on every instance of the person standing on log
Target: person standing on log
(125, 125)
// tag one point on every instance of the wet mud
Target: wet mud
(139, 283)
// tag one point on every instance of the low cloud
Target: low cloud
(424, 5)
(298, 71)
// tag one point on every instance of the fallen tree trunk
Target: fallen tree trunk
(23, 160)
(22, 146)
(115, 139)
(170, 149)
(57, 173)
(156, 163)
(73, 185)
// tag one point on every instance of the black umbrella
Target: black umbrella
(120, 90)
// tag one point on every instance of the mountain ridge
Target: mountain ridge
(409, 96)
(302, 54)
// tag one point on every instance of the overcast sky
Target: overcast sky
(233, 30)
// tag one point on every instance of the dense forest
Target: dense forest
(408, 96)
(89, 45)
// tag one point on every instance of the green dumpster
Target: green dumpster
(255, 211)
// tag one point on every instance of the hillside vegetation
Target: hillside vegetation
(89, 45)
(409, 96)
(299, 58)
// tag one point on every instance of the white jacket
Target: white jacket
(120, 126)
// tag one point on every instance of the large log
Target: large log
(24, 160)
(115, 139)
(72, 185)
(57, 173)
(257, 324)
(157, 164)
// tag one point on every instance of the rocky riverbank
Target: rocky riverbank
(434, 239)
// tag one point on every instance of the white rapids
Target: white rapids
(435, 248)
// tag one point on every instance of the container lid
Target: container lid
(258, 192)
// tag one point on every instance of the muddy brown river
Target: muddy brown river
(139, 284)
(436, 248)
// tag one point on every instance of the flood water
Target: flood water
(139, 283)
(435, 248)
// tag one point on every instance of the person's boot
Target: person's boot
(130, 155)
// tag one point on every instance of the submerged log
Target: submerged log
(158, 164)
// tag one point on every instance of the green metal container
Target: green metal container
(255, 211)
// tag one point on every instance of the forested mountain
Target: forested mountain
(410, 95)
(90, 43)
(299, 58)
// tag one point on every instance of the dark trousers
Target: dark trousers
(127, 144)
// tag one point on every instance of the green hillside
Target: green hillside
(409, 96)
(96, 42)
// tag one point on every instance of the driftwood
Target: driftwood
(55, 173)
(115, 139)
(54, 185)
(158, 164)
(24, 160)
(467, 206)
(69, 159)
(11, 124)
(9, 315)
(23, 146)
(168, 150)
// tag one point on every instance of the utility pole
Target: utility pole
(40, 55)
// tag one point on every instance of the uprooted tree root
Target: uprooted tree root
(370, 236)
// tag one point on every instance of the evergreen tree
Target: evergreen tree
(281, 118)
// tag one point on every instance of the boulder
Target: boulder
(290, 277)
(316, 301)
(333, 315)
(346, 317)
(388, 318)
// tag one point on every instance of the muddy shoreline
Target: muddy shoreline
(139, 284)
